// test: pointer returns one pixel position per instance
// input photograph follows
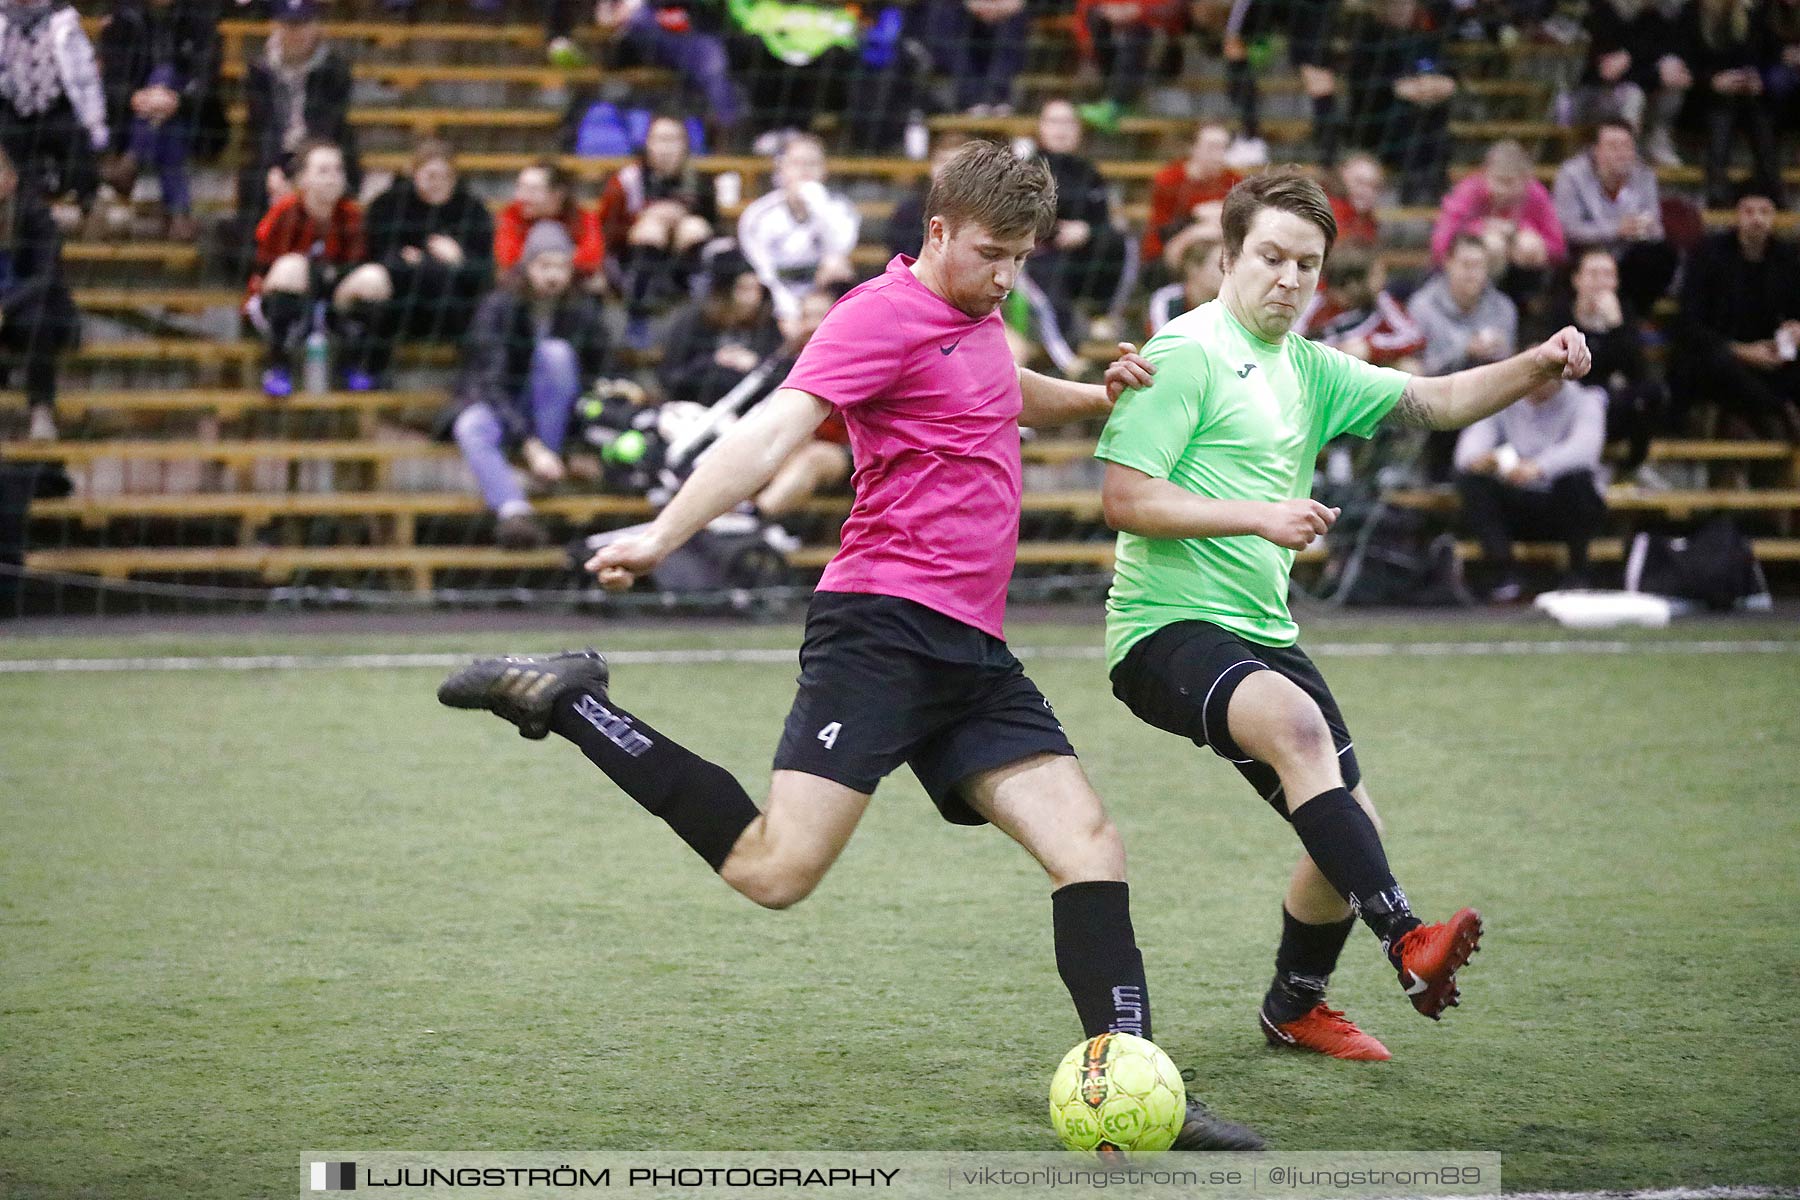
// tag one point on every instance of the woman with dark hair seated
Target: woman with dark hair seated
(432, 242)
(717, 340)
(656, 213)
(38, 320)
(1637, 402)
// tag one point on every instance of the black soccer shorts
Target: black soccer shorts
(1181, 679)
(886, 681)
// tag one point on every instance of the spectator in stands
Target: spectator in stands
(1398, 88)
(160, 60)
(1533, 470)
(38, 321)
(906, 224)
(1087, 259)
(431, 251)
(1637, 61)
(1355, 191)
(1513, 214)
(545, 191)
(684, 37)
(1607, 196)
(1636, 401)
(1781, 77)
(1467, 322)
(981, 47)
(1740, 322)
(1202, 272)
(1353, 312)
(1732, 54)
(800, 235)
(1307, 25)
(536, 344)
(52, 104)
(1118, 36)
(297, 91)
(656, 212)
(306, 274)
(1187, 196)
(717, 340)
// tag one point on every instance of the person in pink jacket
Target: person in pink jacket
(1513, 213)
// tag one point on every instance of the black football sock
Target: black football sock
(283, 311)
(702, 802)
(1097, 957)
(1303, 964)
(1341, 839)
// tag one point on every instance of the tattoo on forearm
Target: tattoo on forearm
(1411, 411)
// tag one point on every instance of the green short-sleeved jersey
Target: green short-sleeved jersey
(1230, 417)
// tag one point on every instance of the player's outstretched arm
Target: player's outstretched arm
(1134, 502)
(1453, 401)
(1049, 402)
(732, 470)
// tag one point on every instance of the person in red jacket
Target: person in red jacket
(1353, 312)
(1187, 195)
(308, 249)
(546, 192)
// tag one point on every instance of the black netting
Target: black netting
(267, 335)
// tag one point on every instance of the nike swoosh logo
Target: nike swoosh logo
(1418, 985)
(945, 350)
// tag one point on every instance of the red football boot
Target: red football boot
(1325, 1031)
(1429, 956)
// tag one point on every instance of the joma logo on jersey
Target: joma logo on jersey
(1244, 372)
(615, 728)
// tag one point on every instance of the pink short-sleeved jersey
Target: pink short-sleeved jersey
(931, 398)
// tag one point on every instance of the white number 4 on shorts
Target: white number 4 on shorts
(828, 735)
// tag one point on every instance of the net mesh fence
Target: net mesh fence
(396, 304)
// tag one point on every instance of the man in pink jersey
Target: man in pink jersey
(904, 660)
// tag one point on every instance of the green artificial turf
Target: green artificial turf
(242, 914)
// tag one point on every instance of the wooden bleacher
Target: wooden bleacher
(419, 565)
(169, 278)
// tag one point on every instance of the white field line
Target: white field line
(295, 662)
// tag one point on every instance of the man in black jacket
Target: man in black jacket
(431, 248)
(534, 346)
(38, 320)
(1740, 322)
(159, 63)
(296, 91)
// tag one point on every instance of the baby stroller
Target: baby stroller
(738, 555)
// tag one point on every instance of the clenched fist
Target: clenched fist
(1293, 524)
(1565, 354)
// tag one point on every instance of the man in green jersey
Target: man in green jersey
(1207, 480)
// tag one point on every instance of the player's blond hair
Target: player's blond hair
(987, 184)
